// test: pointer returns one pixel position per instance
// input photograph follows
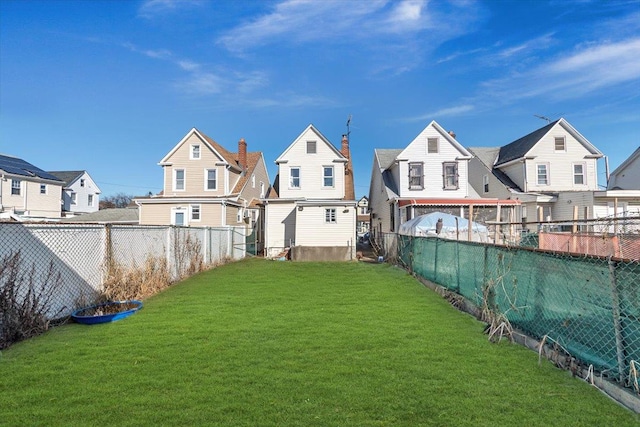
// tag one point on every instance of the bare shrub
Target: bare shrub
(188, 254)
(25, 301)
(136, 282)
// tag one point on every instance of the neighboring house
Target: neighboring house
(27, 192)
(627, 175)
(207, 185)
(127, 215)
(552, 171)
(80, 193)
(428, 175)
(363, 216)
(312, 208)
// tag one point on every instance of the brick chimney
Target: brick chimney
(345, 146)
(242, 153)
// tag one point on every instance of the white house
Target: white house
(80, 193)
(28, 193)
(552, 171)
(428, 175)
(627, 175)
(312, 208)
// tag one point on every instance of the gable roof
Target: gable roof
(252, 161)
(488, 156)
(218, 149)
(16, 166)
(386, 157)
(319, 134)
(520, 147)
(67, 176)
(450, 139)
(620, 169)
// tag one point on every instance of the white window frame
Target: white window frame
(195, 213)
(175, 179)
(90, 200)
(195, 152)
(261, 189)
(330, 177)
(581, 174)
(435, 141)
(253, 181)
(181, 210)
(564, 144)
(546, 174)
(455, 175)
(419, 168)
(292, 178)
(73, 197)
(81, 182)
(16, 187)
(43, 188)
(485, 184)
(206, 180)
(239, 215)
(330, 216)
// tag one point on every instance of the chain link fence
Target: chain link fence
(49, 270)
(586, 305)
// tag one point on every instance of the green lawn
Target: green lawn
(267, 343)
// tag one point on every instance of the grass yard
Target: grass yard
(266, 343)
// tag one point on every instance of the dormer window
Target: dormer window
(311, 147)
(560, 144)
(195, 152)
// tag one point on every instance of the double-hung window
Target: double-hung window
(416, 176)
(327, 176)
(73, 198)
(542, 174)
(90, 200)
(15, 187)
(211, 182)
(195, 212)
(178, 179)
(578, 174)
(43, 188)
(450, 175)
(294, 177)
(330, 216)
(195, 152)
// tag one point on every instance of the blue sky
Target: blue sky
(111, 86)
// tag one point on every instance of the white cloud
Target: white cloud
(299, 21)
(444, 112)
(151, 8)
(201, 84)
(579, 73)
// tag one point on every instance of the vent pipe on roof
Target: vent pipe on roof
(453, 134)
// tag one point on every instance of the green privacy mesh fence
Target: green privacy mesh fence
(588, 305)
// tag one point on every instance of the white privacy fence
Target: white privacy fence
(71, 260)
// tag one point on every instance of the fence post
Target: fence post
(615, 303)
(435, 263)
(108, 252)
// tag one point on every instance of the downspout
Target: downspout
(524, 174)
(2, 179)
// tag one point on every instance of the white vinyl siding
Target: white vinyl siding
(313, 230)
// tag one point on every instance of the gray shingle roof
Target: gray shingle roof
(487, 156)
(520, 147)
(112, 215)
(67, 176)
(16, 166)
(386, 157)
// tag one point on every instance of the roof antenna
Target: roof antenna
(348, 124)
(543, 118)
